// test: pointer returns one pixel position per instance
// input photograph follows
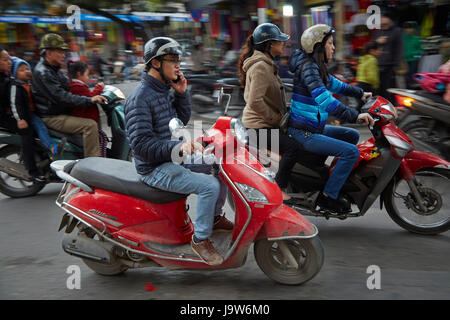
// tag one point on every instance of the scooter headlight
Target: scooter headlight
(239, 131)
(252, 194)
(114, 92)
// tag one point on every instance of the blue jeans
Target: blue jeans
(334, 141)
(42, 132)
(196, 179)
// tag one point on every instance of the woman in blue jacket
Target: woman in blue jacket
(312, 101)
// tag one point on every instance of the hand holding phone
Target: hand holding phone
(180, 84)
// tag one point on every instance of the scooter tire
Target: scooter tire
(114, 268)
(308, 253)
(11, 191)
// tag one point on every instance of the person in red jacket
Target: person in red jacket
(79, 75)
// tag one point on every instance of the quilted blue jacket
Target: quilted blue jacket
(148, 110)
(312, 100)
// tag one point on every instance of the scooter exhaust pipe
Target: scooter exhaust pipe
(83, 247)
(16, 170)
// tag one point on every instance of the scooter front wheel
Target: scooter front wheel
(291, 261)
(432, 216)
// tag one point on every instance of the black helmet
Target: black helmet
(267, 32)
(160, 46)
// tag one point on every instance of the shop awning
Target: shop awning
(136, 17)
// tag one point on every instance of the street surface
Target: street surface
(34, 266)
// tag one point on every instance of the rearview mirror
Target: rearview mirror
(175, 125)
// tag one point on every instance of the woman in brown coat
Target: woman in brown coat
(264, 96)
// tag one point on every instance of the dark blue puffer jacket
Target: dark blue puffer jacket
(312, 101)
(148, 110)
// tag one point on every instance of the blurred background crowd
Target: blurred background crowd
(111, 33)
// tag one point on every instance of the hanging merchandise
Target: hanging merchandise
(128, 35)
(12, 34)
(3, 32)
(215, 23)
(306, 21)
(54, 28)
(111, 32)
(427, 25)
(320, 15)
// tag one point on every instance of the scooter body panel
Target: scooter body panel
(135, 218)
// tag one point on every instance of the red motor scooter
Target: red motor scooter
(413, 185)
(122, 223)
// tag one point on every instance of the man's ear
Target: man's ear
(156, 63)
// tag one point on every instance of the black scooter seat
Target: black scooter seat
(119, 176)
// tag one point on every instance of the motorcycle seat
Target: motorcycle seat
(121, 177)
(75, 138)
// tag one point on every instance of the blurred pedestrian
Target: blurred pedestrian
(197, 59)
(389, 37)
(130, 62)
(30, 57)
(283, 68)
(367, 75)
(412, 50)
(97, 61)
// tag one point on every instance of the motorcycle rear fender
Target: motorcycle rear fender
(416, 160)
(286, 223)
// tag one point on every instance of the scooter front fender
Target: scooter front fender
(286, 223)
(416, 160)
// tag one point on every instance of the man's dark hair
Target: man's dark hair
(75, 67)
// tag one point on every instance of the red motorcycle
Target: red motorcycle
(413, 185)
(122, 223)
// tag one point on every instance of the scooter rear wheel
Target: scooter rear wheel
(15, 187)
(307, 253)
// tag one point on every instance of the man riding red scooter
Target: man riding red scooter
(141, 219)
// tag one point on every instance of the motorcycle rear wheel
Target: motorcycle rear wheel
(12, 186)
(308, 253)
(433, 186)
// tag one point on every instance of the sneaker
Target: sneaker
(38, 179)
(61, 145)
(205, 250)
(57, 149)
(222, 224)
(339, 205)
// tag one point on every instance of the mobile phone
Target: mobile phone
(178, 79)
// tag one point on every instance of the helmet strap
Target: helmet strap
(160, 70)
(267, 50)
